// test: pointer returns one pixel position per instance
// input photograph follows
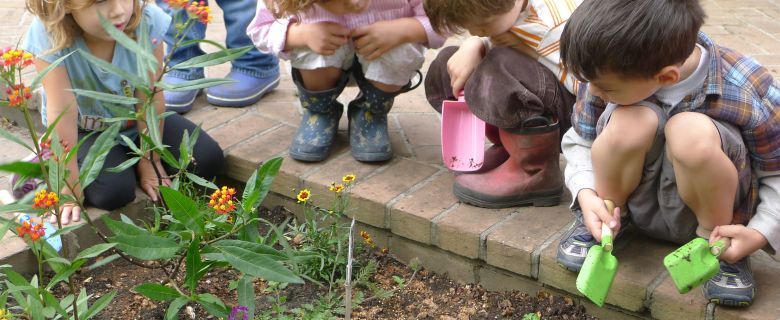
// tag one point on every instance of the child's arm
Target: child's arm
(764, 227)
(59, 100)
(147, 177)
(463, 62)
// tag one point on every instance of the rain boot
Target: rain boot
(495, 155)
(320, 120)
(531, 175)
(368, 135)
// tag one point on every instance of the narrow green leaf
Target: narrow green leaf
(64, 274)
(64, 230)
(106, 97)
(194, 84)
(131, 144)
(22, 168)
(153, 126)
(173, 309)
(51, 301)
(252, 246)
(127, 164)
(183, 209)
(257, 265)
(199, 41)
(265, 177)
(17, 207)
(184, 150)
(118, 227)
(193, 264)
(36, 307)
(9, 136)
(106, 66)
(39, 77)
(93, 163)
(95, 251)
(83, 299)
(99, 305)
(146, 247)
(60, 260)
(213, 305)
(246, 295)
(4, 228)
(200, 181)
(104, 261)
(214, 58)
(50, 127)
(157, 292)
(75, 150)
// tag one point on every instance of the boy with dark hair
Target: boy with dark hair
(512, 78)
(682, 134)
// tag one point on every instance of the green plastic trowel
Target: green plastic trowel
(600, 266)
(694, 263)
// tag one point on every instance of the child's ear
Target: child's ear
(669, 75)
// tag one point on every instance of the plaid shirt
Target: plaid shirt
(737, 90)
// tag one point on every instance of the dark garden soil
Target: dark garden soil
(427, 296)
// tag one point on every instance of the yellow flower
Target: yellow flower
(4, 314)
(45, 200)
(337, 188)
(303, 195)
(348, 178)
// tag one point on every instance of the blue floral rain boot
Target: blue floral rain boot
(368, 135)
(320, 120)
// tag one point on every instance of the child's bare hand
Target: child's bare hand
(594, 213)
(147, 177)
(744, 241)
(463, 63)
(323, 38)
(68, 212)
(372, 41)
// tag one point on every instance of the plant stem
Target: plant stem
(75, 297)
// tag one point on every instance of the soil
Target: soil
(427, 296)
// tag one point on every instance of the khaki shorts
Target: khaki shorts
(655, 207)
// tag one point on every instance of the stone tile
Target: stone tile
(737, 42)
(371, 195)
(284, 112)
(241, 162)
(399, 145)
(640, 263)
(412, 102)
(667, 303)
(241, 129)
(411, 216)
(422, 129)
(210, 117)
(332, 171)
(511, 244)
(459, 231)
(429, 154)
(496, 279)
(434, 259)
(292, 173)
(765, 304)
(552, 274)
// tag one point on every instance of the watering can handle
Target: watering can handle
(720, 246)
(606, 232)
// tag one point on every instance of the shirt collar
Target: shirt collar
(714, 81)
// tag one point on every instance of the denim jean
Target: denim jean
(237, 14)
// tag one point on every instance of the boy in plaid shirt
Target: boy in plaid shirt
(681, 134)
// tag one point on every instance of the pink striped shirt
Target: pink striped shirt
(269, 34)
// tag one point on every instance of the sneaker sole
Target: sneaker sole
(183, 105)
(732, 301)
(544, 199)
(241, 102)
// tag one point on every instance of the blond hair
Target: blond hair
(59, 23)
(288, 8)
(452, 16)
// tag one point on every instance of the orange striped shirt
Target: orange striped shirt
(540, 27)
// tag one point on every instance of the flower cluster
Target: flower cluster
(348, 178)
(222, 200)
(15, 58)
(304, 195)
(4, 314)
(239, 309)
(196, 10)
(45, 200)
(367, 239)
(18, 94)
(35, 230)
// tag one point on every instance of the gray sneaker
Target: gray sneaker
(732, 286)
(575, 243)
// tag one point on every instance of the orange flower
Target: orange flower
(45, 200)
(176, 4)
(195, 10)
(18, 94)
(303, 195)
(15, 58)
(35, 230)
(222, 200)
(367, 239)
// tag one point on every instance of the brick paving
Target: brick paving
(407, 203)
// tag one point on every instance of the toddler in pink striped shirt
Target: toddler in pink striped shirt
(379, 43)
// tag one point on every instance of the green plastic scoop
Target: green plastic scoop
(694, 263)
(600, 267)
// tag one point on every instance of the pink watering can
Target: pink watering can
(462, 136)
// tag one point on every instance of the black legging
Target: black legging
(111, 190)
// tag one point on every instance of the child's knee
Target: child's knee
(631, 129)
(320, 79)
(692, 139)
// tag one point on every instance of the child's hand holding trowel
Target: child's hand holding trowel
(594, 213)
(744, 241)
